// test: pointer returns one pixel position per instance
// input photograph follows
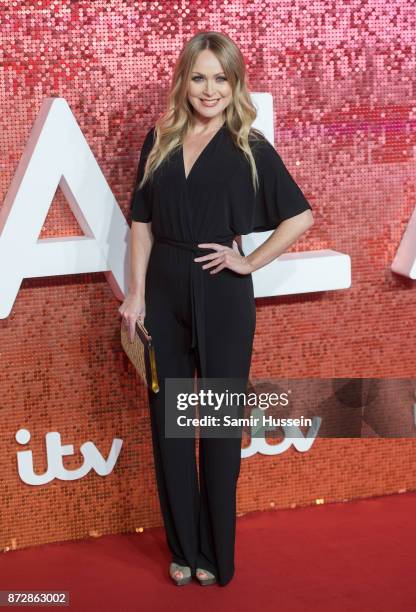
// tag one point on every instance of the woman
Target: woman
(204, 178)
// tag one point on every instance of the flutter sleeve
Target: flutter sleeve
(141, 201)
(279, 197)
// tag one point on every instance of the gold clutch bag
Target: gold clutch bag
(141, 353)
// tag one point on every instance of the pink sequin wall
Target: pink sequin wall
(342, 79)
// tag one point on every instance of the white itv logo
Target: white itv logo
(55, 450)
(293, 436)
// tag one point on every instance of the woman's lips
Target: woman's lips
(209, 102)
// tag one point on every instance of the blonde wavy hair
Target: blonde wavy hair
(173, 124)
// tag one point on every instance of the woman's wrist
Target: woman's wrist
(136, 291)
(250, 265)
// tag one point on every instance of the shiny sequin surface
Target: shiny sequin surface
(342, 79)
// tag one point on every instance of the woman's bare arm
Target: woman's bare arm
(134, 307)
(141, 242)
(286, 234)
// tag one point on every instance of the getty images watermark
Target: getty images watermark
(292, 407)
(223, 407)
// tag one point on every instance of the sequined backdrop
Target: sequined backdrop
(342, 79)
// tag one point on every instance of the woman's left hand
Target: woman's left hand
(224, 257)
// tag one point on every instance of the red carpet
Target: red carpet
(337, 557)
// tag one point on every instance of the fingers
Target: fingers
(222, 257)
(211, 245)
(221, 267)
(215, 255)
(130, 322)
(217, 262)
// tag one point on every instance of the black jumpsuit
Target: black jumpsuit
(204, 322)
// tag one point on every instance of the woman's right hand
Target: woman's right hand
(131, 309)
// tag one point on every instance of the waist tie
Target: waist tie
(197, 292)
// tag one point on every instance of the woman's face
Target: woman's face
(209, 91)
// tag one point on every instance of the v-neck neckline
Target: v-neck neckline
(211, 140)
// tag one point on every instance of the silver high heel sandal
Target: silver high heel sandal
(186, 573)
(210, 578)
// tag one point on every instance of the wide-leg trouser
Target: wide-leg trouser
(200, 522)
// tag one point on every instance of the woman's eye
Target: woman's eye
(198, 78)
